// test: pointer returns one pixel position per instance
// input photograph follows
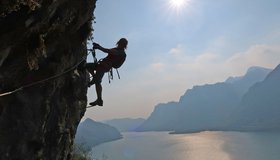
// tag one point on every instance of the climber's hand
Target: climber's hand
(95, 46)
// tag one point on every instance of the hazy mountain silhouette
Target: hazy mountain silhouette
(260, 106)
(206, 107)
(201, 107)
(125, 124)
(253, 75)
(91, 133)
(162, 118)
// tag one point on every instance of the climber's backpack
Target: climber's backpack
(119, 60)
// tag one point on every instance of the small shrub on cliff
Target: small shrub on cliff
(81, 152)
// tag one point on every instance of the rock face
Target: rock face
(40, 39)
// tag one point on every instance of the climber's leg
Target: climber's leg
(91, 67)
(99, 101)
(98, 87)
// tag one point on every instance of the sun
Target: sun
(178, 4)
(178, 8)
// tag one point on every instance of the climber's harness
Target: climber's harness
(96, 62)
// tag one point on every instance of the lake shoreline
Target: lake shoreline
(216, 144)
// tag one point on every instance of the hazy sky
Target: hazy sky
(174, 46)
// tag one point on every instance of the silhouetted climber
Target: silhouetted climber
(115, 58)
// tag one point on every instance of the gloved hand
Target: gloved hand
(95, 46)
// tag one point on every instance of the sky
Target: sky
(174, 45)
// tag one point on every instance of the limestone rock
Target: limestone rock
(40, 39)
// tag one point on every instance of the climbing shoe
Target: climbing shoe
(98, 102)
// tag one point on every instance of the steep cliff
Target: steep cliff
(40, 39)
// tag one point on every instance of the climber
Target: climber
(115, 58)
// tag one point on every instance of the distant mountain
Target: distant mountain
(253, 75)
(91, 133)
(260, 106)
(125, 124)
(202, 107)
(163, 118)
(206, 107)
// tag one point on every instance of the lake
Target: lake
(195, 146)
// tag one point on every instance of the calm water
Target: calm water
(197, 146)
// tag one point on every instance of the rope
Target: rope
(93, 55)
(118, 73)
(44, 80)
(111, 75)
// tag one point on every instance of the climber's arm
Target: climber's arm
(109, 51)
(106, 50)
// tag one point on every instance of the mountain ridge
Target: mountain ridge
(125, 124)
(260, 106)
(91, 133)
(206, 107)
